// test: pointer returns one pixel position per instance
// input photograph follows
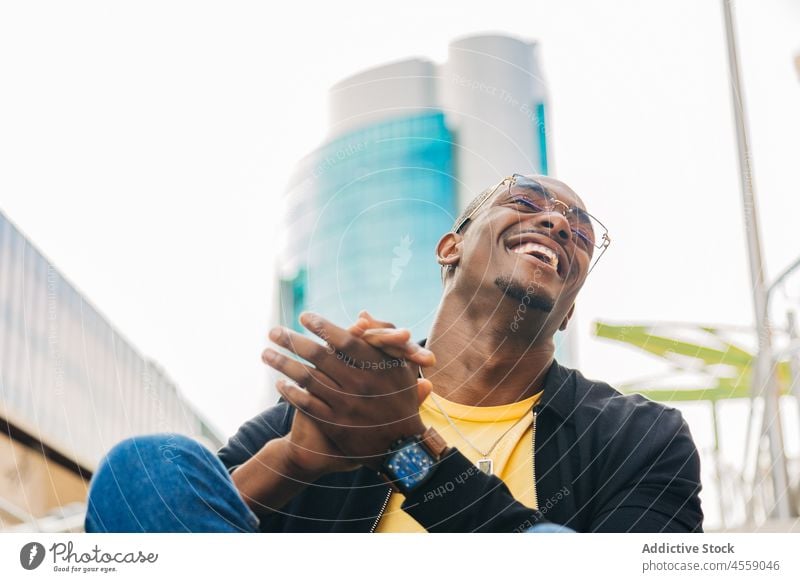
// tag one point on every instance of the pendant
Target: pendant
(485, 465)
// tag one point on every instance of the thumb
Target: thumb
(424, 388)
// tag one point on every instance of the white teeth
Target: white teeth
(528, 248)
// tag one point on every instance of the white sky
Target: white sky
(143, 146)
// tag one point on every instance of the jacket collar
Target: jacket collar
(559, 389)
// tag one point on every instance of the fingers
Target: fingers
(374, 323)
(392, 352)
(313, 380)
(387, 338)
(366, 321)
(424, 389)
(317, 409)
(323, 357)
(359, 327)
(338, 338)
(382, 337)
(396, 343)
(303, 400)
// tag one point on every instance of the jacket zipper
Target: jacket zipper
(533, 466)
(383, 509)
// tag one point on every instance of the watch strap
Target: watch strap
(434, 442)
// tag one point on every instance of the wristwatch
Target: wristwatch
(411, 461)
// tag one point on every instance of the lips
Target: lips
(541, 248)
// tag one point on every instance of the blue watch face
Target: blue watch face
(409, 465)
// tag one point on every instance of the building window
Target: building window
(541, 137)
(292, 300)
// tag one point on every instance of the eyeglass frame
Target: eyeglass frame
(554, 201)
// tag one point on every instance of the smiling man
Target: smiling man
(375, 434)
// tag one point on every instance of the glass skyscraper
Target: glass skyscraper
(371, 222)
(410, 144)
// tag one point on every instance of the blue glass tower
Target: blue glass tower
(364, 227)
(411, 143)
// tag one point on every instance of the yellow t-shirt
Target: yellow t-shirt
(512, 457)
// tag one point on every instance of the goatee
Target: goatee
(530, 295)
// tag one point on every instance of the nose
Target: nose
(555, 222)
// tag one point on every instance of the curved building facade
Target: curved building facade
(363, 237)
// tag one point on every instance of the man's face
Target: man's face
(530, 256)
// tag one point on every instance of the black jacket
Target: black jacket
(604, 462)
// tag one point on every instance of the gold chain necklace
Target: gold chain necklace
(485, 463)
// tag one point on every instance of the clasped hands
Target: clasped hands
(358, 392)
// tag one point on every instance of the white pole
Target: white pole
(764, 384)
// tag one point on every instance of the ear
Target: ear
(567, 318)
(448, 250)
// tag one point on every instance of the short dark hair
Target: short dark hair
(475, 202)
(479, 199)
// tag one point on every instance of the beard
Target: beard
(515, 290)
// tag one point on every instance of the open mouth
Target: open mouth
(542, 253)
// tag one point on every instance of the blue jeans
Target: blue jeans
(165, 483)
(549, 528)
(171, 483)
